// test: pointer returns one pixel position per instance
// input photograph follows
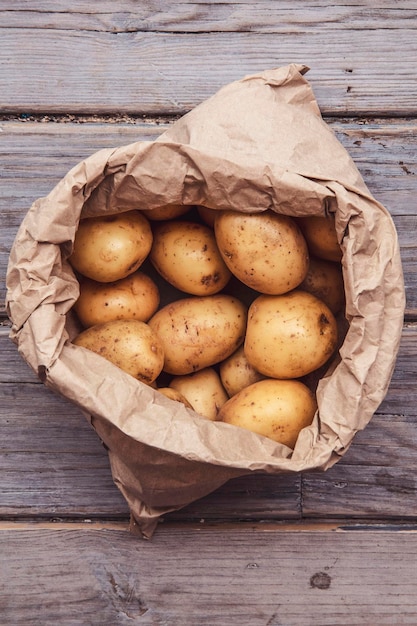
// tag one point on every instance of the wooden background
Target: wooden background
(318, 548)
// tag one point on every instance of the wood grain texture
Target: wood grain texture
(77, 70)
(37, 155)
(201, 16)
(254, 577)
(53, 464)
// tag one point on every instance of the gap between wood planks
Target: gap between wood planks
(258, 527)
(163, 118)
(80, 118)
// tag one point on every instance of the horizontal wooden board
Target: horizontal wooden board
(36, 155)
(200, 16)
(183, 576)
(100, 71)
(53, 465)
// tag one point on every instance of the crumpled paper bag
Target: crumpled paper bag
(259, 143)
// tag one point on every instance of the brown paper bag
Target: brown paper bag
(259, 143)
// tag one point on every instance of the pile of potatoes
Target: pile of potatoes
(228, 312)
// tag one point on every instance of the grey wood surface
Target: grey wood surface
(251, 577)
(174, 55)
(327, 549)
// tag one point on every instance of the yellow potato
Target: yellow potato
(203, 390)
(166, 212)
(133, 297)
(325, 281)
(277, 409)
(236, 372)
(173, 394)
(321, 237)
(198, 332)
(130, 344)
(110, 247)
(289, 336)
(265, 251)
(186, 255)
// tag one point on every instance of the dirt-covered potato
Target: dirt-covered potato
(321, 237)
(197, 332)
(325, 281)
(265, 251)
(186, 255)
(130, 344)
(133, 297)
(289, 336)
(203, 390)
(277, 409)
(110, 247)
(236, 372)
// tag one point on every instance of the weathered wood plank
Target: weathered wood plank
(201, 16)
(37, 155)
(52, 462)
(375, 478)
(402, 394)
(375, 472)
(85, 71)
(252, 576)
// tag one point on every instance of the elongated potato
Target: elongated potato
(133, 297)
(321, 237)
(130, 344)
(265, 251)
(186, 255)
(203, 390)
(325, 281)
(198, 332)
(277, 409)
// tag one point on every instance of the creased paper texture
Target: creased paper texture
(259, 143)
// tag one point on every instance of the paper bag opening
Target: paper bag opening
(258, 144)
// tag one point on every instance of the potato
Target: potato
(166, 212)
(173, 394)
(110, 247)
(204, 391)
(325, 281)
(186, 255)
(277, 409)
(198, 332)
(207, 215)
(236, 372)
(265, 251)
(130, 344)
(321, 237)
(290, 335)
(133, 297)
